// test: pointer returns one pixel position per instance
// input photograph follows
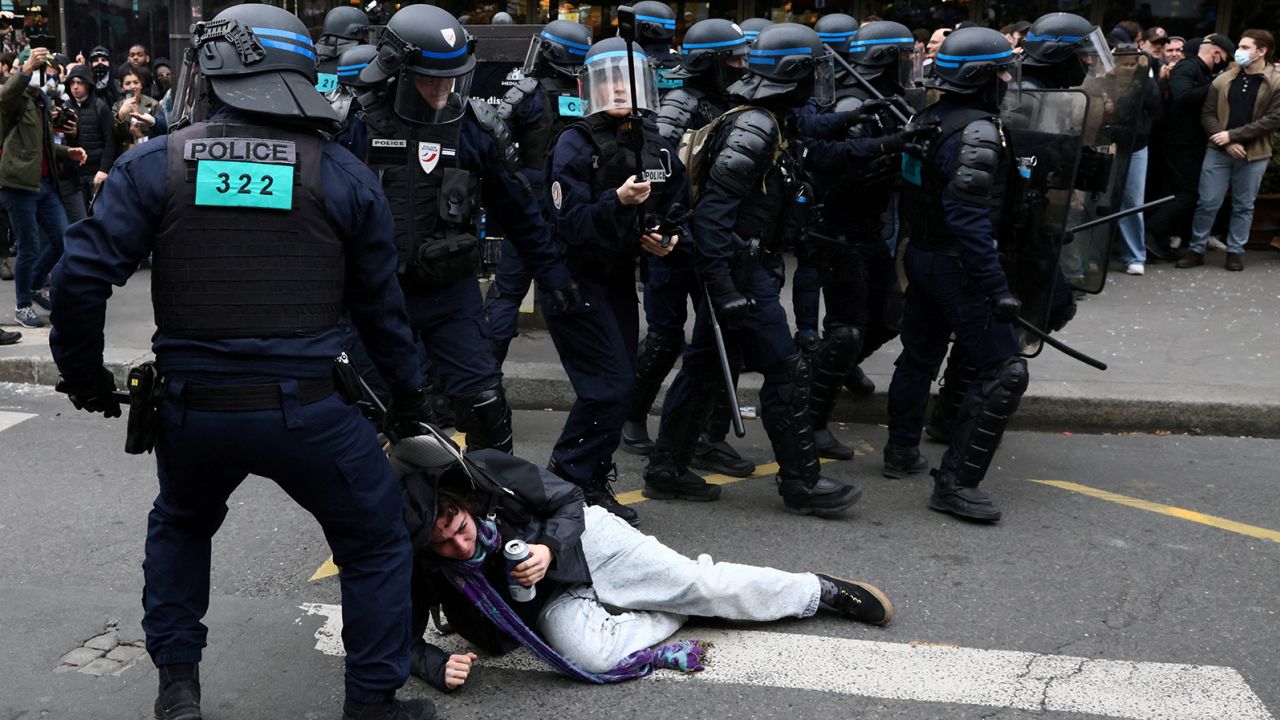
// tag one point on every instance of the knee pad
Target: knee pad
(841, 345)
(792, 376)
(486, 418)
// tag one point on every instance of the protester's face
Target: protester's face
(100, 62)
(454, 536)
(1249, 45)
(6, 70)
(79, 90)
(1173, 51)
(138, 56)
(163, 76)
(935, 41)
(434, 91)
(130, 84)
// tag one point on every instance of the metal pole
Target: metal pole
(735, 413)
(1122, 214)
(1058, 344)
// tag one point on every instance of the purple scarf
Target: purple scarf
(468, 576)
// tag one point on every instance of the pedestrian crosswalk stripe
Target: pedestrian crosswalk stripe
(9, 419)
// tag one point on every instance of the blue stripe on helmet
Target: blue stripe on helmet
(723, 43)
(945, 64)
(883, 41)
(575, 48)
(286, 46)
(351, 69)
(825, 36)
(665, 23)
(273, 32)
(1055, 38)
(784, 51)
(967, 58)
(751, 34)
(761, 61)
(445, 55)
(616, 54)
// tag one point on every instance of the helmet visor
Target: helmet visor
(430, 100)
(1095, 54)
(548, 46)
(606, 83)
(186, 90)
(824, 80)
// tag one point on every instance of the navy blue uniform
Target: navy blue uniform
(597, 343)
(322, 453)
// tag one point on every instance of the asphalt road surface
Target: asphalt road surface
(1143, 582)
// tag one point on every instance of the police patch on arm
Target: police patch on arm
(243, 172)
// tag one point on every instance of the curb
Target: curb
(1056, 406)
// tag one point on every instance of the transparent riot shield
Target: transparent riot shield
(1044, 129)
(1114, 98)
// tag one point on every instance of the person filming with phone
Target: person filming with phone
(136, 113)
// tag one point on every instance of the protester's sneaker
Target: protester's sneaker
(417, 709)
(1216, 244)
(41, 298)
(27, 317)
(855, 600)
(829, 447)
(9, 338)
(1134, 269)
(179, 696)
(666, 483)
(1175, 241)
(720, 457)
(635, 438)
(1190, 260)
(900, 462)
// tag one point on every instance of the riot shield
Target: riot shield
(1114, 100)
(1044, 129)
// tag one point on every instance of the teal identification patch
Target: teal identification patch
(570, 106)
(244, 184)
(669, 83)
(326, 83)
(911, 169)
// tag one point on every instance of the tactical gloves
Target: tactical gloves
(92, 394)
(1005, 307)
(729, 304)
(865, 111)
(567, 300)
(408, 413)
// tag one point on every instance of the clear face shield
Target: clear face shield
(731, 66)
(429, 100)
(187, 87)
(540, 46)
(1095, 55)
(824, 79)
(605, 84)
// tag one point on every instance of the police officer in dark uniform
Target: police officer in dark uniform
(536, 109)
(956, 283)
(845, 243)
(352, 135)
(714, 57)
(437, 151)
(750, 202)
(656, 33)
(261, 232)
(751, 27)
(344, 27)
(599, 206)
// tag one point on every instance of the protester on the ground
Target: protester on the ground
(135, 114)
(603, 593)
(94, 131)
(29, 182)
(1241, 112)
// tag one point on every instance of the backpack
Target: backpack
(695, 147)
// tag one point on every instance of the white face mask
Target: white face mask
(1242, 58)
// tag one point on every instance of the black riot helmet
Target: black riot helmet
(433, 58)
(655, 22)
(502, 18)
(883, 46)
(714, 49)
(971, 59)
(344, 27)
(352, 61)
(1055, 38)
(836, 30)
(751, 27)
(560, 47)
(256, 58)
(787, 60)
(607, 78)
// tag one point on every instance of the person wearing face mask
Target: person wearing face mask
(1184, 141)
(1240, 113)
(105, 85)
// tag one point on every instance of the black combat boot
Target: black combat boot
(966, 502)
(835, 358)
(392, 710)
(600, 492)
(635, 437)
(858, 383)
(179, 696)
(720, 457)
(900, 462)
(855, 600)
(657, 355)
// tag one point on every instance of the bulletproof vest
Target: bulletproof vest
(561, 106)
(433, 200)
(872, 183)
(244, 247)
(769, 210)
(922, 191)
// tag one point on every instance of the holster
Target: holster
(146, 389)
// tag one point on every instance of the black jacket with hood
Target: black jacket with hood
(95, 127)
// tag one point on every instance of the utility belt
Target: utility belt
(750, 253)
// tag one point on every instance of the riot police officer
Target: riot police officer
(344, 27)
(536, 109)
(437, 151)
(1051, 51)
(352, 135)
(845, 244)
(227, 207)
(748, 205)
(956, 282)
(605, 215)
(714, 56)
(656, 32)
(751, 27)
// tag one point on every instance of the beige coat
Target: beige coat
(1256, 136)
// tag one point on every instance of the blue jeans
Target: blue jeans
(1220, 172)
(31, 213)
(1132, 231)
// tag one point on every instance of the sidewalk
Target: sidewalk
(1188, 351)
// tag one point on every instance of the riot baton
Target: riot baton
(735, 413)
(627, 29)
(1118, 215)
(1043, 336)
(866, 85)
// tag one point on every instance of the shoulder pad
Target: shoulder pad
(487, 118)
(977, 177)
(515, 96)
(747, 149)
(848, 103)
(676, 114)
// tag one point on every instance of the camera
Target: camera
(61, 114)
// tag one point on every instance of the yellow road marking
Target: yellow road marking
(1196, 517)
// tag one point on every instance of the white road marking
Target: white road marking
(896, 671)
(9, 419)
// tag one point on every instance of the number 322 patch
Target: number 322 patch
(226, 182)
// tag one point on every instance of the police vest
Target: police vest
(244, 247)
(434, 201)
(853, 201)
(775, 206)
(561, 106)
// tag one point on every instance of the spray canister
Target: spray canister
(516, 552)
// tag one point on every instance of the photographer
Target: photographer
(91, 127)
(136, 114)
(29, 180)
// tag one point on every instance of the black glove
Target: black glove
(865, 111)
(1005, 307)
(729, 304)
(567, 300)
(92, 394)
(408, 414)
(913, 133)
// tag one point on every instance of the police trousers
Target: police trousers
(451, 324)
